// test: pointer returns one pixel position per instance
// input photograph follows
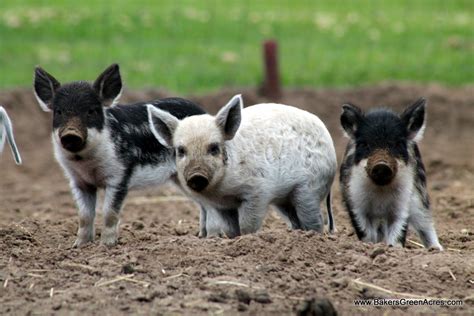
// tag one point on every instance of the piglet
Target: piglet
(240, 161)
(382, 178)
(103, 145)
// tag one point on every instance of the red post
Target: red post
(271, 85)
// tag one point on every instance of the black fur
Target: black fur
(344, 177)
(420, 177)
(131, 132)
(378, 129)
(403, 236)
(77, 100)
(231, 217)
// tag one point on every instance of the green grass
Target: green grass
(195, 46)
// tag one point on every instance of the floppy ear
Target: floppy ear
(229, 117)
(44, 87)
(7, 128)
(351, 118)
(109, 85)
(162, 125)
(414, 119)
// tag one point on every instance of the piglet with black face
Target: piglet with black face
(103, 145)
(382, 177)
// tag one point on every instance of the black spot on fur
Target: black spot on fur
(131, 133)
(122, 190)
(403, 234)
(344, 177)
(231, 217)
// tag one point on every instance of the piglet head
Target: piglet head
(199, 142)
(381, 138)
(77, 107)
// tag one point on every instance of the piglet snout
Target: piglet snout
(381, 173)
(381, 168)
(72, 140)
(197, 182)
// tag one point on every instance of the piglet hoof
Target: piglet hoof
(81, 241)
(436, 248)
(109, 237)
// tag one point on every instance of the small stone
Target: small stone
(297, 277)
(57, 306)
(241, 307)
(180, 230)
(376, 252)
(137, 225)
(243, 296)
(316, 307)
(128, 268)
(340, 283)
(220, 297)
(262, 296)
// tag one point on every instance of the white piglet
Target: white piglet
(240, 161)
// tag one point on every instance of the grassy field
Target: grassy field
(196, 46)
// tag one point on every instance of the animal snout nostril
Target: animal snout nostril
(72, 142)
(198, 182)
(381, 173)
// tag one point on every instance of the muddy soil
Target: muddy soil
(161, 267)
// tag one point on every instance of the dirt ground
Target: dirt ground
(161, 267)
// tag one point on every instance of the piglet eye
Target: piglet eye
(181, 151)
(213, 149)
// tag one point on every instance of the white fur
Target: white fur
(41, 103)
(100, 167)
(277, 150)
(419, 135)
(166, 117)
(373, 205)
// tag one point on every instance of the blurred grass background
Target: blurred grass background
(195, 46)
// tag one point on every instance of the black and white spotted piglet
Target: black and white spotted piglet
(103, 145)
(382, 177)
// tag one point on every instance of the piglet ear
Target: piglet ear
(162, 124)
(229, 117)
(109, 85)
(45, 86)
(414, 119)
(351, 118)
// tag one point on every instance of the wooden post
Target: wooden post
(271, 86)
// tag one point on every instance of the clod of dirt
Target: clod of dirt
(220, 297)
(243, 296)
(137, 225)
(376, 252)
(57, 306)
(339, 283)
(316, 307)
(180, 230)
(241, 307)
(128, 268)
(262, 297)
